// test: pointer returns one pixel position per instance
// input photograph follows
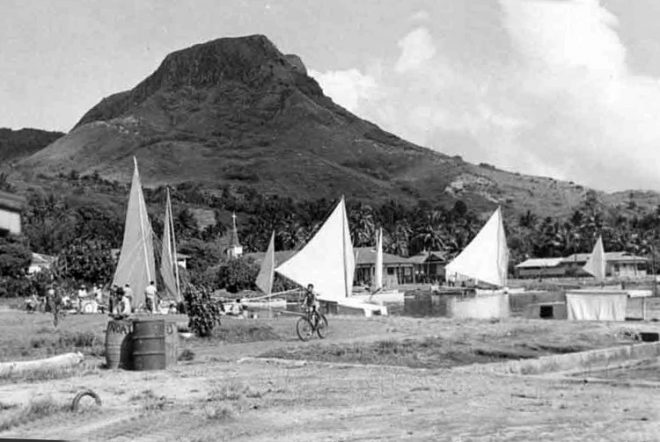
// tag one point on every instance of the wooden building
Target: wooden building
(618, 265)
(397, 270)
(428, 267)
(541, 268)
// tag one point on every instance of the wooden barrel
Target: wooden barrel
(149, 344)
(118, 344)
(171, 342)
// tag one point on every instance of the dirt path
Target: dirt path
(215, 397)
(300, 402)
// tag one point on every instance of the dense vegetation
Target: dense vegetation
(80, 226)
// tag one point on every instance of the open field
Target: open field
(369, 386)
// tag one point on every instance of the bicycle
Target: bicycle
(312, 322)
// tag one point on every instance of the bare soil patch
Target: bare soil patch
(214, 397)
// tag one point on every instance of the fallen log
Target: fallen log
(55, 363)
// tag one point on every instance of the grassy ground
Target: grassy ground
(514, 339)
(32, 336)
(215, 397)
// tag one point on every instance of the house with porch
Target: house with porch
(617, 265)
(541, 268)
(397, 270)
(40, 262)
(428, 267)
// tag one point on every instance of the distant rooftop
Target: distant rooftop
(367, 255)
(422, 257)
(540, 262)
(609, 256)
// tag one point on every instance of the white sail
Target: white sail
(378, 271)
(486, 258)
(168, 269)
(327, 260)
(266, 273)
(136, 264)
(596, 262)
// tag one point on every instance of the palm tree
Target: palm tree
(528, 220)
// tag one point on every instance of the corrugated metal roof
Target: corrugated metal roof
(11, 201)
(540, 262)
(609, 256)
(367, 255)
(39, 259)
(422, 257)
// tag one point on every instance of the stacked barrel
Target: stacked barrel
(141, 343)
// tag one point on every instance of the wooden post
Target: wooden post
(644, 308)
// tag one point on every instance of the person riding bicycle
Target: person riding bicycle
(310, 304)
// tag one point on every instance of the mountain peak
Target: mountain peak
(238, 112)
(251, 60)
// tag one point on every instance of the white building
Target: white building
(10, 213)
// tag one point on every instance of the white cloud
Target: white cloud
(347, 87)
(561, 102)
(417, 48)
(602, 129)
(420, 15)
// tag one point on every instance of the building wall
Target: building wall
(11, 221)
(627, 269)
(429, 272)
(393, 275)
(541, 272)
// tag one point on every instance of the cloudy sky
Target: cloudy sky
(562, 88)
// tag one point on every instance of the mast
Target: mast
(176, 262)
(142, 218)
(378, 271)
(343, 243)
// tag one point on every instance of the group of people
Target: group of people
(54, 298)
(119, 301)
(122, 300)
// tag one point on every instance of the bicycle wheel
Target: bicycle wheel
(304, 329)
(322, 326)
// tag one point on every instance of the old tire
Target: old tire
(82, 394)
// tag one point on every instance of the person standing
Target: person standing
(113, 299)
(127, 299)
(150, 293)
(55, 302)
(97, 298)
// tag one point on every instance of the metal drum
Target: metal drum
(118, 344)
(149, 344)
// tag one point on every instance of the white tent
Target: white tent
(596, 305)
(486, 258)
(596, 262)
(327, 260)
(136, 264)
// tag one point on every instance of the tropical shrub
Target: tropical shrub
(203, 312)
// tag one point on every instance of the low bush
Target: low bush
(203, 312)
